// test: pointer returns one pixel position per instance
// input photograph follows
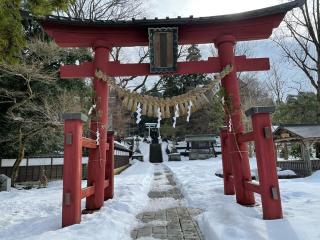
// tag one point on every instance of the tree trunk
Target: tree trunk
(15, 168)
(318, 88)
(318, 100)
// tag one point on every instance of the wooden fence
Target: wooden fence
(298, 166)
(30, 168)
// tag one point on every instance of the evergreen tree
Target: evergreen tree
(300, 108)
(193, 53)
(207, 120)
(12, 34)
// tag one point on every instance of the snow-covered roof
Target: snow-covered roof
(303, 131)
(121, 146)
(200, 137)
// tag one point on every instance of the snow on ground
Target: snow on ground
(36, 213)
(224, 219)
(254, 170)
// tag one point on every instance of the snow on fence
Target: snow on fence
(30, 167)
(298, 166)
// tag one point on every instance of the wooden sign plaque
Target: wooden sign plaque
(163, 46)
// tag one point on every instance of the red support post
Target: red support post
(109, 191)
(72, 168)
(238, 151)
(226, 163)
(97, 156)
(266, 162)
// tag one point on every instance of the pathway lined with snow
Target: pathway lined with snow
(166, 216)
(36, 214)
(224, 219)
(154, 193)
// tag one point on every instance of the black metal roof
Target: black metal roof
(278, 9)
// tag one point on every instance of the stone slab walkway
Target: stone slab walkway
(174, 223)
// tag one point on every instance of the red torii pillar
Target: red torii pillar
(72, 169)
(226, 163)
(238, 151)
(97, 156)
(109, 173)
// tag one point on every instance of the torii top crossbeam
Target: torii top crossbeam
(252, 25)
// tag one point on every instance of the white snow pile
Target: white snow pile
(224, 219)
(286, 173)
(36, 213)
(254, 170)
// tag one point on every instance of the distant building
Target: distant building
(201, 146)
(298, 147)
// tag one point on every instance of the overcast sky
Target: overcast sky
(198, 8)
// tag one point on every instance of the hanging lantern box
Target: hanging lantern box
(163, 46)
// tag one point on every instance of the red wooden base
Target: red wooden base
(226, 164)
(268, 185)
(72, 172)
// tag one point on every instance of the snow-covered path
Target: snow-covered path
(36, 214)
(224, 219)
(166, 216)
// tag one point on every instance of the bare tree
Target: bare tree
(29, 110)
(112, 10)
(31, 100)
(300, 42)
(105, 9)
(276, 83)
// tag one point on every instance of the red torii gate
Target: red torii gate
(224, 31)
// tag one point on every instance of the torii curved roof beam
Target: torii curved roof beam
(251, 25)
